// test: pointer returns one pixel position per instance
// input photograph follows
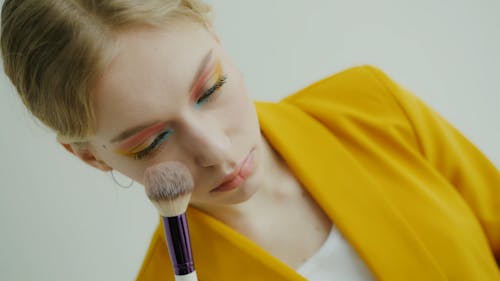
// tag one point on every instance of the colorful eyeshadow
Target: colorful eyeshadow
(208, 77)
(139, 141)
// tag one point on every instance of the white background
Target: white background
(63, 220)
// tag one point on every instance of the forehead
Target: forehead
(150, 71)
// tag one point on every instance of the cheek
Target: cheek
(240, 111)
(128, 167)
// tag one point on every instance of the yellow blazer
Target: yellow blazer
(415, 199)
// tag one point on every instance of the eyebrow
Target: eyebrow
(136, 129)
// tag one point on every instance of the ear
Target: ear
(86, 156)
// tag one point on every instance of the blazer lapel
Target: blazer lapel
(221, 253)
(376, 229)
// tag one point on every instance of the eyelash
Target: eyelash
(208, 93)
(153, 147)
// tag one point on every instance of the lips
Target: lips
(238, 176)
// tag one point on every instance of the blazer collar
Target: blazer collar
(350, 196)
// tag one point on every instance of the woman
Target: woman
(353, 172)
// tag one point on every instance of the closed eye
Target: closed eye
(208, 93)
(153, 146)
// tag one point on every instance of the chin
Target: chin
(240, 195)
(245, 194)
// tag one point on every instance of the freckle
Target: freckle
(104, 146)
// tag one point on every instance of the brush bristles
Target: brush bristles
(169, 185)
(172, 208)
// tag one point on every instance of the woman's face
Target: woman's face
(175, 95)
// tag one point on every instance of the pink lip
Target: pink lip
(236, 178)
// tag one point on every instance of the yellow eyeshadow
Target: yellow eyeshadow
(135, 150)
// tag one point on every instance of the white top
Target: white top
(335, 260)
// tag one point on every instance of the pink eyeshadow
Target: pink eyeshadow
(136, 140)
(201, 81)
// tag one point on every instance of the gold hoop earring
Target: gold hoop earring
(124, 186)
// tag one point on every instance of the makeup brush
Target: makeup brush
(169, 185)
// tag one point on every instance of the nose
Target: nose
(207, 142)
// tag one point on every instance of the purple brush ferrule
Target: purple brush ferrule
(179, 244)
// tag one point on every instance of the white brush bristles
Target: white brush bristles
(172, 208)
(169, 185)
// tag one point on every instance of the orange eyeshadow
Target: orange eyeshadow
(138, 138)
(203, 78)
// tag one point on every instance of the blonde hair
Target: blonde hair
(54, 50)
